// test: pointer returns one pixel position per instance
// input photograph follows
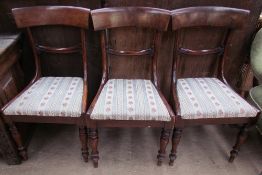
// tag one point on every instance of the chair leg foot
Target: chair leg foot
(164, 139)
(159, 162)
(23, 153)
(95, 162)
(172, 158)
(177, 133)
(17, 138)
(85, 157)
(241, 138)
(233, 155)
(83, 139)
(93, 137)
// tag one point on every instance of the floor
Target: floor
(55, 150)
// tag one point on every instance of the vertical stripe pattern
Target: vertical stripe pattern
(210, 98)
(50, 96)
(133, 99)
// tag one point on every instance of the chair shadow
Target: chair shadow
(46, 134)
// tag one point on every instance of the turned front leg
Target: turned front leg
(177, 133)
(164, 139)
(241, 138)
(17, 138)
(83, 139)
(93, 138)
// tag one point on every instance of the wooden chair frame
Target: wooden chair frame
(229, 18)
(103, 19)
(29, 17)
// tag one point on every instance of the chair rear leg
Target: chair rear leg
(17, 138)
(177, 133)
(164, 139)
(93, 138)
(83, 138)
(241, 138)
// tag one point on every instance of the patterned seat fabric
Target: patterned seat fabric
(136, 99)
(210, 98)
(50, 96)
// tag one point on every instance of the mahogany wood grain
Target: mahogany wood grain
(53, 15)
(85, 73)
(130, 53)
(104, 74)
(217, 50)
(107, 18)
(208, 16)
(72, 49)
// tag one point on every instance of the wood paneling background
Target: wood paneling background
(134, 38)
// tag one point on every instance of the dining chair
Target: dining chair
(51, 99)
(122, 101)
(208, 100)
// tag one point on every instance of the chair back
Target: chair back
(223, 20)
(43, 18)
(118, 20)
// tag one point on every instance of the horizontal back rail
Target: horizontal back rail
(208, 16)
(218, 50)
(130, 53)
(144, 17)
(51, 15)
(64, 50)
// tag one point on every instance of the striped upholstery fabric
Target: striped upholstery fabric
(50, 96)
(210, 98)
(123, 99)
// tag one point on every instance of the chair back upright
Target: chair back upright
(111, 20)
(41, 17)
(225, 20)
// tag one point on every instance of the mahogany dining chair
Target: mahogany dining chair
(208, 99)
(51, 99)
(122, 101)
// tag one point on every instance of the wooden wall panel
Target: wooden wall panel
(236, 59)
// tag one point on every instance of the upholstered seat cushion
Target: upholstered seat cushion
(50, 96)
(134, 99)
(210, 98)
